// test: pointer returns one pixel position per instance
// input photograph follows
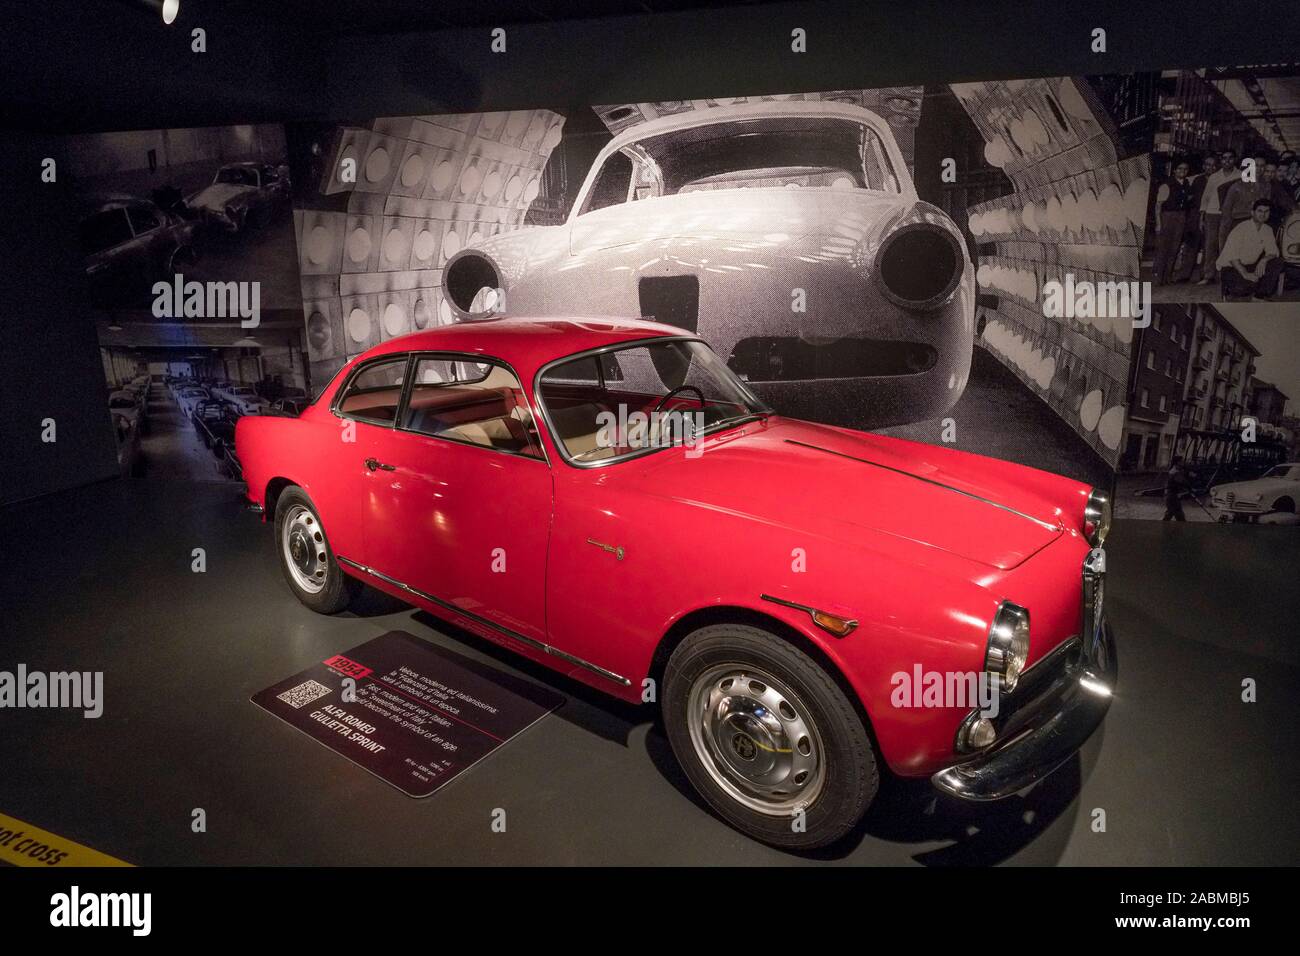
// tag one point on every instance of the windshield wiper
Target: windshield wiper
(756, 415)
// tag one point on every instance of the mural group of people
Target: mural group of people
(1222, 225)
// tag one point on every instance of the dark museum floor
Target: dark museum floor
(100, 579)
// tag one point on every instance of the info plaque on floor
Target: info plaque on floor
(411, 713)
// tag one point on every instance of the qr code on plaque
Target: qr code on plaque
(303, 694)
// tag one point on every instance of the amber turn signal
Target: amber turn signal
(838, 626)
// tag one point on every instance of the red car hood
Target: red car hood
(832, 481)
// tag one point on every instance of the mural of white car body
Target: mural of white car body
(1277, 490)
(788, 235)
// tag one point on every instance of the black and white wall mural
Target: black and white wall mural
(796, 233)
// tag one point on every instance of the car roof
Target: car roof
(106, 202)
(791, 109)
(524, 342)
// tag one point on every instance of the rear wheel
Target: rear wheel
(305, 555)
(767, 737)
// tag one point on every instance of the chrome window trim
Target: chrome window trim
(601, 350)
(452, 608)
(408, 381)
(479, 359)
(357, 370)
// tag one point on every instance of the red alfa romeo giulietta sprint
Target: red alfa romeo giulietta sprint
(803, 602)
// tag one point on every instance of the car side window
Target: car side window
(374, 393)
(875, 160)
(480, 403)
(611, 185)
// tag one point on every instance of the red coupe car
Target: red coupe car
(804, 602)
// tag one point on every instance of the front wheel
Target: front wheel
(767, 737)
(306, 558)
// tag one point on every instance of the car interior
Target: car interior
(491, 411)
(576, 414)
(583, 395)
(479, 403)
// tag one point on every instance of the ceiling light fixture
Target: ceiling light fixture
(169, 9)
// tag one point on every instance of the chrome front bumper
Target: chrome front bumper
(1040, 733)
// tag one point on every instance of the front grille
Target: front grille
(1094, 592)
(774, 358)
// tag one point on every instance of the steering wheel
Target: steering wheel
(680, 388)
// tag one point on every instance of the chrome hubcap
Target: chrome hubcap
(756, 739)
(303, 544)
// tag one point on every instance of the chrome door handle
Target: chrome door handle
(373, 463)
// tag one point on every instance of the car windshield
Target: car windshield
(238, 175)
(638, 398)
(121, 402)
(763, 153)
(241, 391)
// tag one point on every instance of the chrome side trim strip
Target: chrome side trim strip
(928, 481)
(538, 645)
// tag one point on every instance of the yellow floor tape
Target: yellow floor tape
(22, 844)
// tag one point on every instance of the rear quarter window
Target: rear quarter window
(374, 392)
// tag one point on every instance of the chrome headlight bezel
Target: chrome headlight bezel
(1008, 644)
(1096, 517)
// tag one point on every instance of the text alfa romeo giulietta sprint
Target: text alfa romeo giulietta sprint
(770, 584)
(789, 236)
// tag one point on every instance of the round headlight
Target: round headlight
(1096, 517)
(1008, 647)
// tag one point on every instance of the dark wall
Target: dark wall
(49, 353)
(83, 65)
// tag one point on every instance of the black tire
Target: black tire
(337, 590)
(849, 778)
